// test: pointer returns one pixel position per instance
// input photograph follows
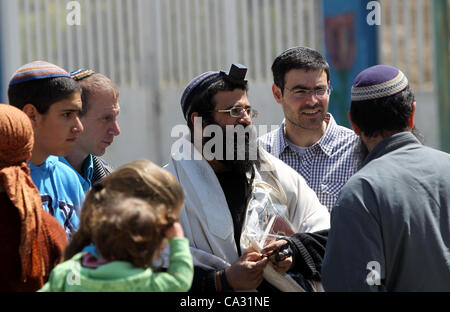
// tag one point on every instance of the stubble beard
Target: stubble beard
(303, 122)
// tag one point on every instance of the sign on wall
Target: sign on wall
(2, 87)
(351, 45)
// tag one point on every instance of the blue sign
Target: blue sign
(351, 45)
(2, 87)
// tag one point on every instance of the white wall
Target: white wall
(137, 129)
(427, 119)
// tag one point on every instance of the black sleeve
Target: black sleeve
(308, 253)
(204, 280)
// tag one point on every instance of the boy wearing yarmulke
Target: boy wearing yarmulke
(52, 101)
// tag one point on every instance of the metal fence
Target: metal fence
(152, 48)
(191, 36)
(188, 37)
(206, 34)
(108, 38)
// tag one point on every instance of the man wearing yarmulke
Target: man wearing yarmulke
(100, 100)
(52, 101)
(390, 225)
(237, 204)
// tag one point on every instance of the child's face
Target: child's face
(57, 130)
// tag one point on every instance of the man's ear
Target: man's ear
(355, 127)
(32, 113)
(276, 91)
(411, 117)
(193, 115)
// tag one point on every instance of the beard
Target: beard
(419, 136)
(362, 151)
(239, 148)
(298, 119)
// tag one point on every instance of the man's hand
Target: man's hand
(247, 272)
(272, 249)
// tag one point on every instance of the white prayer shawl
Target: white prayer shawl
(206, 218)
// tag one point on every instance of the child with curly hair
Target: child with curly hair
(126, 221)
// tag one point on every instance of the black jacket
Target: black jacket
(101, 169)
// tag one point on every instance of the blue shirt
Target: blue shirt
(88, 172)
(326, 165)
(61, 192)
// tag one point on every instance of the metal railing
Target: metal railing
(108, 38)
(200, 35)
(192, 36)
(189, 36)
(153, 48)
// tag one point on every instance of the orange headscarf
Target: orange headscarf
(16, 144)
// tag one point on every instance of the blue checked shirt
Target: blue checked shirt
(326, 165)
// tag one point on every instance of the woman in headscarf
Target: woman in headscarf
(31, 240)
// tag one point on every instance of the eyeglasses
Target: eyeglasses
(299, 93)
(238, 111)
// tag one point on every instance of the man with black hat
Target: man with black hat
(390, 225)
(231, 199)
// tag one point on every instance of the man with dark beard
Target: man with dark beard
(229, 183)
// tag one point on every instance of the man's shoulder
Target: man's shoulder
(63, 169)
(344, 134)
(64, 176)
(101, 162)
(269, 140)
(269, 136)
(100, 168)
(282, 170)
(46, 170)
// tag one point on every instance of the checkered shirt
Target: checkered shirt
(326, 165)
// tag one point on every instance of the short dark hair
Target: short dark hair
(297, 58)
(42, 93)
(390, 113)
(202, 102)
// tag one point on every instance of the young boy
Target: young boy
(52, 101)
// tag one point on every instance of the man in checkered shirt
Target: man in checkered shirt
(308, 139)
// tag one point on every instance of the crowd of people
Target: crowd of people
(311, 206)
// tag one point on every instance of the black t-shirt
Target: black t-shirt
(236, 188)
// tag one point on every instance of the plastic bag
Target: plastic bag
(268, 219)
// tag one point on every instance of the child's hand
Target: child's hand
(176, 230)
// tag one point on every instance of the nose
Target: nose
(312, 98)
(115, 129)
(78, 127)
(245, 118)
